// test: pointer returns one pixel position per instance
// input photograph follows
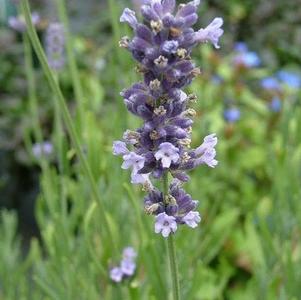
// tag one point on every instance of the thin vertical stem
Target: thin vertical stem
(172, 251)
(76, 82)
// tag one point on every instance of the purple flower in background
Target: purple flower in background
(161, 45)
(291, 79)
(275, 105)
(165, 224)
(55, 45)
(127, 265)
(42, 149)
(244, 57)
(18, 22)
(232, 114)
(241, 47)
(129, 253)
(116, 274)
(270, 83)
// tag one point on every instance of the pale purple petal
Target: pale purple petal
(167, 153)
(209, 142)
(128, 267)
(129, 253)
(116, 274)
(129, 16)
(165, 224)
(211, 33)
(119, 148)
(192, 219)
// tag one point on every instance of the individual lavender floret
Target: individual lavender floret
(162, 46)
(165, 224)
(116, 274)
(129, 253)
(192, 219)
(42, 149)
(167, 153)
(55, 46)
(232, 114)
(211, 33)
(127, 265)
(18, 22)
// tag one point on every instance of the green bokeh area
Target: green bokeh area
(54, 242)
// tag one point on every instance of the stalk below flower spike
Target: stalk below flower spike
(162, 46)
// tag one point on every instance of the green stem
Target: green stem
(66, 115)
(172, 251)
(77, 86)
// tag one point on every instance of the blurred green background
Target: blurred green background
(53, 244)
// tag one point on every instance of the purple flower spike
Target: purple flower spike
(129, 16)
(116, 274)
(162, 45)
(165, 224)
(192, 219)
(211, 33)
(168, 154)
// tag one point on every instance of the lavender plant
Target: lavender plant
(162, 45)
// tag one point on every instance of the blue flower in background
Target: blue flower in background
(291, 79)
(241, 47)
(275, 105)
(270, 83)
(249, 59)
(232, 114)
(216, 79)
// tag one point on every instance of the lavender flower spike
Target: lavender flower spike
(55, 44)
(126, 267)
(162, 46)
(211, 33)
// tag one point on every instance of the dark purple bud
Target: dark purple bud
(168, 6)
(144, 112)
(168, 20)
(186, 10)
(181, 176)
(144, 33)
(149, 14)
